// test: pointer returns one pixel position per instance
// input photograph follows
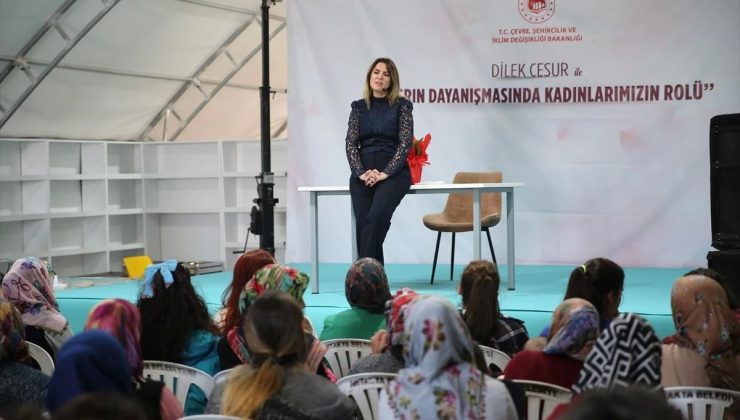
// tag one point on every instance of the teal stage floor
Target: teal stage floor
(539, 289)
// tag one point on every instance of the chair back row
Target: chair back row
(42, 357)
(178, 378)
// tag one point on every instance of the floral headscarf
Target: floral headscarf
(122, 320)
(274, 277)
(12, 341)
(366, 285)
(626, 353)
(439, 380)
(270, 277)
(704, 322)
(30, 288)
(575, 326)
(395, 313)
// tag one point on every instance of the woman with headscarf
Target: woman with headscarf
(29, 286)
(387, 348)
(366, 289)
(440, 379)
(246, 265)
(278, 384)
(627, 353)
(574, 328)
(706, 349)
(122, 320)
(176, 326)
(19, 383)
(273, 277)
(91, 361)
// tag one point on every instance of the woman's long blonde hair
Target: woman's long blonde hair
(274, 333)
(394, 90)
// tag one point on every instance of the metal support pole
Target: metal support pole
(266, 184)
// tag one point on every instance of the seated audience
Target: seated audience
(706, 349)
(387, 348)
(29, 286)
(440, 379)
(273, 277)
(176, 326)
(280, 382)
(122, 320)
(91, 361)
(366, 289)
(101, 406)
(246, 265)
(575, 326)
(479, 289)
(626, 354)
(599, 281)
(20, 385)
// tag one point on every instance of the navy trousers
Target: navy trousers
(374, 206)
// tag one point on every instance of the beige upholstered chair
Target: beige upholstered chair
(457, 215)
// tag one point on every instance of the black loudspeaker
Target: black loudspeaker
(727, 263)
(724, 179)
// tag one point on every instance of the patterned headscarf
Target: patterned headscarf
(366, 285)
(30, 288)
(270, 277)
(704, 322)
(575, 326)
(121, 319)
(12, 341)
(439, 380)
(395, 313)
(626, 353)
(273, 277)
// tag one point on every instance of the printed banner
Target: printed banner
(601, 109)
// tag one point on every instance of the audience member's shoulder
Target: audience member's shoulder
(511, 321)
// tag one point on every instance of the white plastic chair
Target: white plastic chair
(222, 376)
(37, 353)
(701, 403)
(542, 398)
(365, 389)
(495, 357)
(209, 417)
(178, 378)
(342, 353)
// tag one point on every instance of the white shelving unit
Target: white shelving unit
(85, 205)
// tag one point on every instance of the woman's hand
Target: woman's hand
(378, 342)
(315, 356)
(376, 177)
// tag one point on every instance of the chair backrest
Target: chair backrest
(209, 417)
(178, 378)
(222, 376)
(495, 357)
(37, 353)
(365, 389)
(459, 207)
(542, 398)
(701, 403)
(342, 353)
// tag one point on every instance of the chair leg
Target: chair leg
(436, 252)
(452, 258)
(490, 246)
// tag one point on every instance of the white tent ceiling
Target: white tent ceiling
(138, 69)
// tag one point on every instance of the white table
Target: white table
(476, 189)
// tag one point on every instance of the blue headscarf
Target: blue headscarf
(91, 361)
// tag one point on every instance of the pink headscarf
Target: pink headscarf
(122, 320)
(29, 287)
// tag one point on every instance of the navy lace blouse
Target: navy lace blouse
(384, 128)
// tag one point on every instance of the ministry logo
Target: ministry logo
(536, 11)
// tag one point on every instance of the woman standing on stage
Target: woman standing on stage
(379, 136)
